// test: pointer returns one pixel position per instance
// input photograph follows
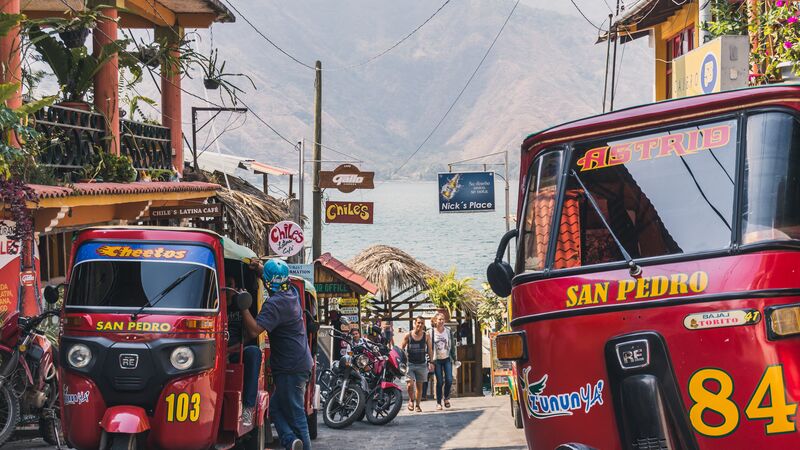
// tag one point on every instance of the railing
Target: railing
(149, 146)
(72, 137)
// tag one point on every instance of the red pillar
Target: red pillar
(171, 94)
(11, 68)
(106, 81)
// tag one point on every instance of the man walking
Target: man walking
(417, 345)
(444, 345)
(290, 360)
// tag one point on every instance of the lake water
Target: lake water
(407, 217)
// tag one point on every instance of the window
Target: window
(772, 178)
(132, 284)
(678, 45)
(663, 193)
(540, 208)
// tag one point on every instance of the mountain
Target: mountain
(545, 69)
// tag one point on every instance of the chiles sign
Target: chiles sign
(286, 238)
(347, 178)
(349, 212)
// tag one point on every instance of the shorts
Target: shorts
(418, 372)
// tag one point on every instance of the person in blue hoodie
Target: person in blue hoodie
(281, 316)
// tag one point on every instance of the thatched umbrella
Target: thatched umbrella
(250, 218)
(391, 268)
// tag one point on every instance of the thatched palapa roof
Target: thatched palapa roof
(390, 268)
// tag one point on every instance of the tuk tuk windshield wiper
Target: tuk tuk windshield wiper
(163, 293)
(634, 268)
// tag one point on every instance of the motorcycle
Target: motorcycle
(28, 378)
(346, 400)
(381, 366)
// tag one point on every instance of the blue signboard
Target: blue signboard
(466, 192)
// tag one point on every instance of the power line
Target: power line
(584, 16)
(458, 97)
(396, 44)
(257, 30)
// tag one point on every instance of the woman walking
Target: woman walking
(444, 344)
(419, 348)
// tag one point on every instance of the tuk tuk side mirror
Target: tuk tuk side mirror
(51, 294)
(500, 273)
(243, 300)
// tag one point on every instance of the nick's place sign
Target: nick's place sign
(347, 178)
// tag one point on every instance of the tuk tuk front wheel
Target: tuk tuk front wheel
(517, 413)
(123, 441)
(9, 413)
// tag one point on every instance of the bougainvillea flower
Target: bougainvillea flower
(787, 44)
(779, 3)
(792, 19)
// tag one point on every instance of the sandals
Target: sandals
(418, 409)
(447, 403)
(438, 406)
(411, 406)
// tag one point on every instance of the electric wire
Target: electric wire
(584, 16)
(458, 97)
(266, 38)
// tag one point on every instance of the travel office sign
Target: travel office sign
(466, 192)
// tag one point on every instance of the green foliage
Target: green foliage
(158, 175)
(492, 310)
(729, 19)
(110, 168)
(447, 291)
(75, 68)
(13, 122)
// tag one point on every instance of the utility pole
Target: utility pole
(614, 63)
(316, 244)
(608, 54)
(508, 207)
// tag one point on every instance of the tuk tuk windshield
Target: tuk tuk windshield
(120, 276)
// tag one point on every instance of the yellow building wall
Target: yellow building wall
(662, 33)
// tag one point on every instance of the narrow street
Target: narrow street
(470, 423)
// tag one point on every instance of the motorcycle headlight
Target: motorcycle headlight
(79, 356)
(362, 361)
(403, 367)
(182, 358)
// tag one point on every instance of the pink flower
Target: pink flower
(792, 19)
(787, 44)
(780, 3)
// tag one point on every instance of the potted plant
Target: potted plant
(149, 55)
(75, 68)
(214, 76)
(447, 292)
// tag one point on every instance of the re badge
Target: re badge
(633, 354)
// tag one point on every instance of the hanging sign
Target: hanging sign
(10, 272)
(332, 288)
(347, 178)
(286, 238)
(466, 192)
(186, 212)
(349, 212)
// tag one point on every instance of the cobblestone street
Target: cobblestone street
(470, 423)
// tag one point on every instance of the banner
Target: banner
(185, 212)
(466, 192)
(10, 268)
(305, 271)
(349, 212)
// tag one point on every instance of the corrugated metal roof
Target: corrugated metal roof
(329, 262)
(259, 167)
(139, 187)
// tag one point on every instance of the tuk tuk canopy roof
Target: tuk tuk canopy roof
(236, 251)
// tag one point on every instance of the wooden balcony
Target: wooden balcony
(74, 136)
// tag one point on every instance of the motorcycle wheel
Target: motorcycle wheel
(383, 407)
(343, 415)
(312, 425)
(50, 430)
(9, 413)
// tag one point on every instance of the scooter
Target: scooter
(346, 400)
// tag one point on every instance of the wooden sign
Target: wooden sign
(349, 212)
(347, 178)
(186, 212)
(332, 288)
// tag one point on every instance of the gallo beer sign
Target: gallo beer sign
(347, 178)
(286, 238)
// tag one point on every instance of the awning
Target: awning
(636, 21)
(223, 162)
(360, 284)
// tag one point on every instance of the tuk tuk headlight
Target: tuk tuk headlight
(182, 358)
(79, 356)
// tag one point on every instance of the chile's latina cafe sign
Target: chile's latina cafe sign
(347, 178)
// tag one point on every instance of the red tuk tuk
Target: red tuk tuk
(144, 358)
(655, 293)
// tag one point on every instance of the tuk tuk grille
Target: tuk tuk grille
(128, 383)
